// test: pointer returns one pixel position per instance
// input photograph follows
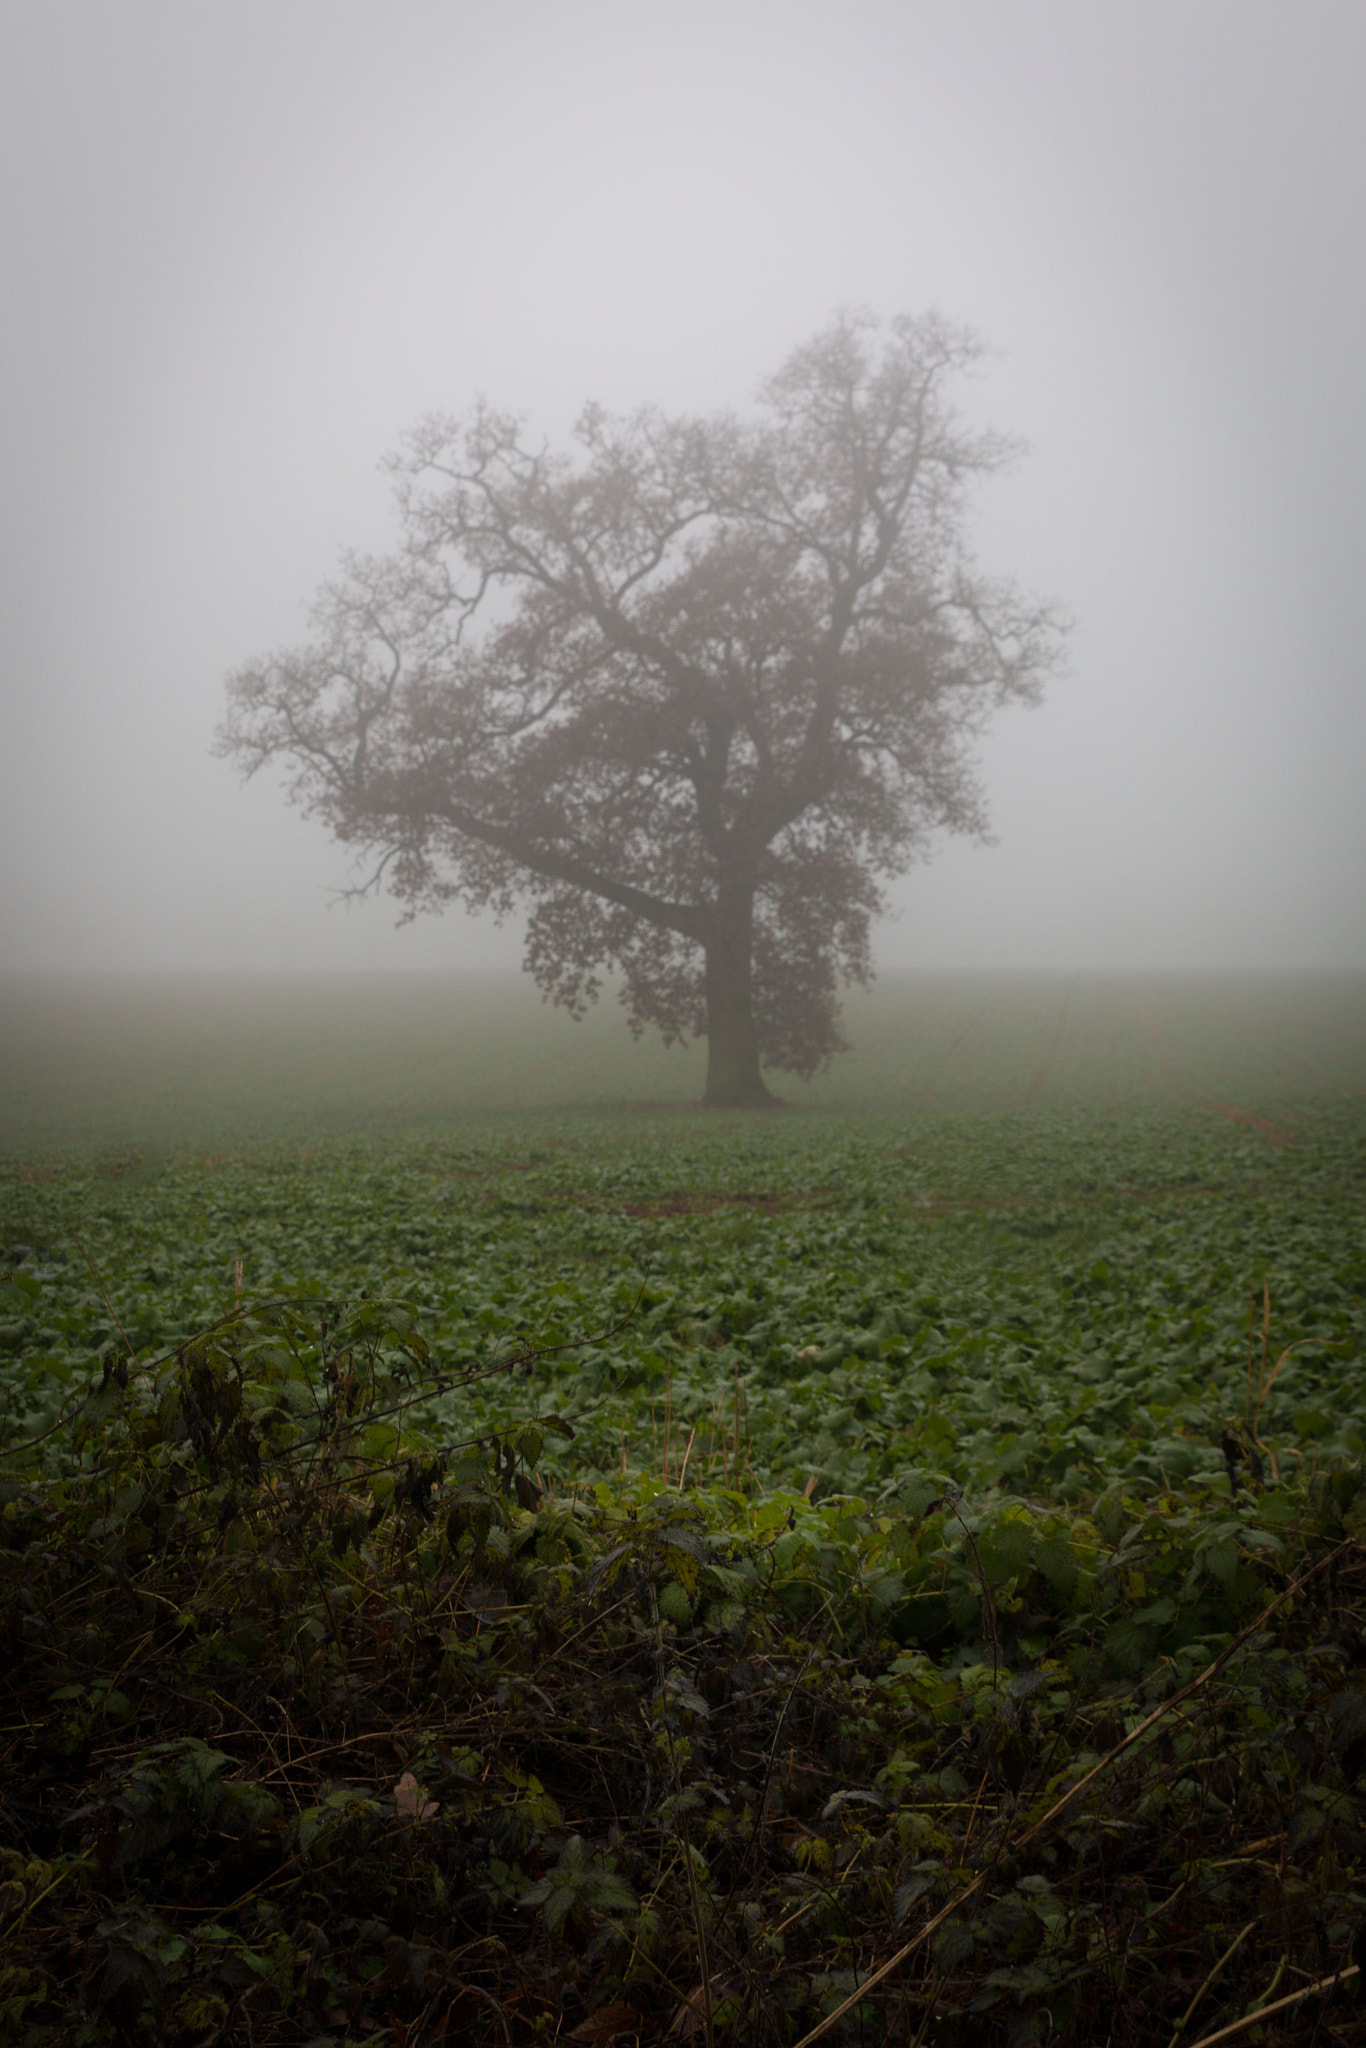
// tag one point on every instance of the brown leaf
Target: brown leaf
(410, 1801)
(691, 2016)
(608, 2023)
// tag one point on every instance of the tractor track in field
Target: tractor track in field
(1157, 1191)
(1233, 1111)
(966, 1039)
(688, 1203)
(1039, 1078)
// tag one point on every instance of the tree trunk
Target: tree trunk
(733, 1077)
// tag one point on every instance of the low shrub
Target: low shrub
(318, 1728)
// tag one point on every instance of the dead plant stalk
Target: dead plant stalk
(1060, 1806)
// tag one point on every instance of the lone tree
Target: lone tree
(688, 690)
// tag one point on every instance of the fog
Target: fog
(245, 247)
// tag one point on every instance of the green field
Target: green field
(986, 1144)
(987, 1390)
(90, 1062)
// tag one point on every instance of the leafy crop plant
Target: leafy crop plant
(321, 1727)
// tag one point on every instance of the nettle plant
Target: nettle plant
(294, 1418)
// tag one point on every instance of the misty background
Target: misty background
(246, 247)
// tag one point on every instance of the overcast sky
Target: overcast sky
(245, 246)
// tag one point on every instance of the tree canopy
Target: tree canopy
(690, 690)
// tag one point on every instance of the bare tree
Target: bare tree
(688, 690)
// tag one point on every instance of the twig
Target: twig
(489, 1999)
(668, 1434)
(107, 1302)
(928, 2013)
(1252, 2019)
(828, 1892)
(694, 1902)
(62, 1875)
(1215, 1973)
(762, 1801)
(988, 1604)
(972, 1816)
(1060, 1805)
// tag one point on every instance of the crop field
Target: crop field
(498, 1553)
(222, 1064)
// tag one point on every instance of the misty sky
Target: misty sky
(245, 246)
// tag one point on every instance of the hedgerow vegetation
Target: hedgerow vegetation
(638, 1579)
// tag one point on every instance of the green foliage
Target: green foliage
(742, 1541)
(581, 1886)
(871, 1309)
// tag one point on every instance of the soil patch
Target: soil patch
(705, 1205)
